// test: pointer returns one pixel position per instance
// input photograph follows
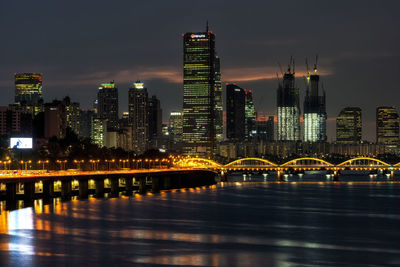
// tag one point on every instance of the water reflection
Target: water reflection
(233, 224)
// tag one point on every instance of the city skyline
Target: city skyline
(249, 52)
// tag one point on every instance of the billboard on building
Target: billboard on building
(21, 143)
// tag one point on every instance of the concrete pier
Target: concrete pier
(279, 175)
(336, 175)
(99, 187)
(48, 189)
(66, 188)
(83, 188)
(29, 190)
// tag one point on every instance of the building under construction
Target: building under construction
(314, 108)
(288, 105)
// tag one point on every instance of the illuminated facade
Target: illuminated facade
(235, 113)
(28, 91)
(72, 115)
(138, 116)
(387, 126)
(218, 101)
(314, 110)
(98, 134)
(288, 104)
(175, 126)
(107, 106)
(250, 115)
(349, 126)
(199, 94)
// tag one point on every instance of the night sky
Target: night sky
(79, 44)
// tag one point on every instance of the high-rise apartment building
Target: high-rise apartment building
(270, 128)
(85, 123)
(73, 115)
(288, 105)
(314, 110)
(107, 105)
(154, 117)
(235, 113)
(265, 128)
(54, 120)
(387, 126)
(349, 126)
(138, 116)
(218, 101)
(28, 92)
(199, 94)
(250, 115)
(99, 131)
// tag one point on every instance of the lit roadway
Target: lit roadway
(7, 175)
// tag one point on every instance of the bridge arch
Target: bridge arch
(307, 162)
(198, 163)
(363, 161)
(250, 162)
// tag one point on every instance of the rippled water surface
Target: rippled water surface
(236, 224)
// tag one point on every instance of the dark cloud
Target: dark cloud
(79, 44)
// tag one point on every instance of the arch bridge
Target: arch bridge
(298, 164)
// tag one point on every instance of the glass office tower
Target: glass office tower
(28, 91)
(387, 126)
(199, 94)
(349, 126)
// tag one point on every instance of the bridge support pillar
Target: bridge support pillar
(392, 175)
(48, 189)
(279, 175)
(11, 191)
(114, 186)
(128, 184)
(336, 175)
(66, 188)
(224, 177)
(155, 184)
(83, 188)
(99, 187)
(167, 182)
(142, 185)
(29, 191)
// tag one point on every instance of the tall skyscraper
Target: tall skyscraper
(54, 119)
(250, 115)
(288, 105)
(387, 126)
(138, 116)
(28, 92)
(218, 101)
(235, 112)
(175, 126)
(270, 128)
(349, 126)
(154, 117)
(314, 110)
(72, 114)
(199, 94)
(85, 123)
(107, 105)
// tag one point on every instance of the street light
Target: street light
(43, 162)
(5, 164)
(78, 162)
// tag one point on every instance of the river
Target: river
(230, 224)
